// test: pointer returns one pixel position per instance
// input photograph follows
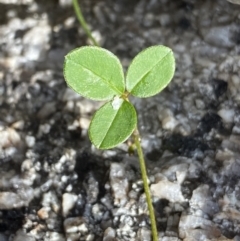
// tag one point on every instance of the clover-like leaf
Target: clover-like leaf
(150, 71)
(112, 124)
(94, 73)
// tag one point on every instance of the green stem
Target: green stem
(145, 184)
(82, 21)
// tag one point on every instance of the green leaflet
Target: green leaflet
(94, 72)
(150, 71)
(112, 124)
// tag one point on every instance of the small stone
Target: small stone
(97, 211)
(48, 109)
(68, 202)
(10, 200)
(19, 125)
(164, 19)
(36, 42)
(168, 190)
(13, 136)
(119, 183)
(73, 225)
(227, 115)
(109, 234)
(220, 36)
(144, 234)
(30, 141)
(169, 123)
(54, 236)
(21, 235)
(50, 199)
(198, 228)
(202, 200)
(90, 237)
(65, 3)
(170, 239)
(84, 123)
(93, 189)
(43, 213)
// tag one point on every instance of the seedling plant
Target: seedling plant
(97, 74)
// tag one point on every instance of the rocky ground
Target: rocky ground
(54, 186)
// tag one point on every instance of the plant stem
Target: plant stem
(145, 184)
(82, 21)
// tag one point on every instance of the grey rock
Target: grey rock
(221, 36)
(109, 234)
(10, 200)
(165, 189)
(119, 183)
(21, 235)
(36, 42)
(197, 227)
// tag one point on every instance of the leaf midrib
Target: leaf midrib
(105, 136)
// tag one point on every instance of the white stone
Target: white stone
(169, 123)
(168, 190)
(220, 36)
(54, 236)
(84, 123)
(68, 202)
(65, 3)
(189, 224)
(36, 42)
(119, 182)
(227, 115)
(10, 200)
(30, 141)
(21, 235)
(43, 213)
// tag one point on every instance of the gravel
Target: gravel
(55, 186)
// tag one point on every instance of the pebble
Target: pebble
(109, 234)
(30, 141)
(10, 200)
(220, 36)
(21, 235)
(9, 137)
(54, 236)
(36, 42)
(165, 189)
(191, 226)
(43, 213)
(68, 202)
(202, 200)
(227, 115)
(169, 123)
(48, 109)
(65, 3)
(93, 189)
(74, 225)
(119, 183)
(49, 199)
(144, 234)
